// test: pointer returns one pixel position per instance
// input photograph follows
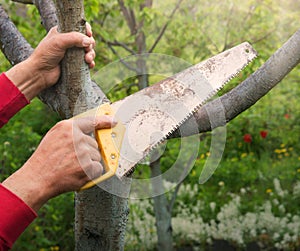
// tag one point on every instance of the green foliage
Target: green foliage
(20, 137)
(53, 229)
(27, 20)
(253, 194)
(196, 32)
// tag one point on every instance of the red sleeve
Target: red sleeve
(15, 216)
(11, 99)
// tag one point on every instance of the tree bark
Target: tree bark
(256, 86)
(75, 73)
(47, 12)
(101, 217)
(19, 49)
(235, 102)
(163, 215)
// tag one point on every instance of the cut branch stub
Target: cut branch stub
(75, 73)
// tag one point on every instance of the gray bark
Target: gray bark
(17, 51)
(235, 102)
(75, 75)
(256, 86)
(24, 1)
(101, 217)
(162, 212)
(47, 12)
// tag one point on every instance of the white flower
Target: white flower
(276, 236)
(6, 143)
(296, 190)
(212, 206)
(243, 190)
(281, 208)
(287, 238)
(278, 188)
(221, 183)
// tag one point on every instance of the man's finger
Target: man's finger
(88, 29)
(73, 39)
(89, 124)
(95, 170)
(105, 121)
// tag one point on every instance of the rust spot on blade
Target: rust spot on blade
(152, 90)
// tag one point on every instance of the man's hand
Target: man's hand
(41, 69)
(51, 50)
(66, 159)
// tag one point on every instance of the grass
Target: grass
(256, 187)
(257, 181)
(254, 193)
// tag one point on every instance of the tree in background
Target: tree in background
(101, 225)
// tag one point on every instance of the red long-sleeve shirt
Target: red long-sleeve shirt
(11, 99)
(15, 215)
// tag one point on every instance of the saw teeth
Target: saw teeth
(194, 110)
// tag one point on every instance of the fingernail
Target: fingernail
(86, 42)
(114, 121)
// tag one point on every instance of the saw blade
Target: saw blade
(155, 112)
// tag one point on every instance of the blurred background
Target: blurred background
(252, 202)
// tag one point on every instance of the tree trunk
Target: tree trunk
(101, 217)
(163, 215)
(75, 73)
(234, 102)
(251, 90)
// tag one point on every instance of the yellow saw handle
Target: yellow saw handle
(109, 142)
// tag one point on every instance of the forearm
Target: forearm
(66, 159)
(26, 79)
(28, 187)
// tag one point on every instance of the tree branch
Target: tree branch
(227, 28)
(129, 17)
(123, 45)
(122, 61)
(24, 1)
(164, 28)
(20, 49)
(47, 13)
(251, 90)
(17, 51)
(147, 3)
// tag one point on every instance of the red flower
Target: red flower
(287, 116)
(263, 134)
(247, 138)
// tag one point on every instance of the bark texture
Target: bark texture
(75, 73)
(235, 102)
(13, 45)
(162, 212)
(101, 217)
(47, 12)
(251, 90)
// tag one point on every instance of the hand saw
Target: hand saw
(146, 118)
